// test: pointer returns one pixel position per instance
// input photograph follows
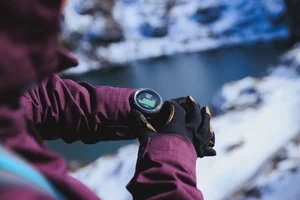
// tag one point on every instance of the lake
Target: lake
(199, 74)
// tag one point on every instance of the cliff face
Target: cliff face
(294, 18)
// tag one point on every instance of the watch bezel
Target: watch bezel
(144, 110)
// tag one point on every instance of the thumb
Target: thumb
(210, 152)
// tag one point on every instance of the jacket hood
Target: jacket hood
(29, 42)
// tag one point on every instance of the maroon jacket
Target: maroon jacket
(64, 109)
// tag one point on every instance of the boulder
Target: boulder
(294, 18)
(148, 30)
(104, 32)
(207, 15)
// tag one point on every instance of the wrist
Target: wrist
(146, 101)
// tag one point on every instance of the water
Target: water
(198, 74)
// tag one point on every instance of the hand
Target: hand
(185, 119)
(206, 116)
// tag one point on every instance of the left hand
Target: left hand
(204, 130)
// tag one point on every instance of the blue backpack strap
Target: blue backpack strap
(22, 171)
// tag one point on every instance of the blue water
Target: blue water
(198, 74)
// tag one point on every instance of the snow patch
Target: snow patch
(279, 178)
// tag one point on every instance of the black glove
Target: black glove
(186, 120)
(205, 116)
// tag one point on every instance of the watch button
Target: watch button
(120, 133)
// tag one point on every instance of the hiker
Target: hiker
(37, 105)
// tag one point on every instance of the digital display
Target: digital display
(147, 100)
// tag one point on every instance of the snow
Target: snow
(292, 58)
(247, 137)
(278, 182)
(285, 188)
(227, 23)
(243, 96)
(263, 130)
(109, 175)
(74, 21)
(275, 8)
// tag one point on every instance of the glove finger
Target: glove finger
(180, 100)
(160, 120)
(210, 152)
(212, 142)
(177, 113)
(137, 117)
(193, 112)
(205, 129)
(139, 122)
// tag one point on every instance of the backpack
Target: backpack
(16, 172)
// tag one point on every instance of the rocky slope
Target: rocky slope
(109, 32)
(278, 179)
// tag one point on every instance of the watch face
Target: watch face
(148, 99)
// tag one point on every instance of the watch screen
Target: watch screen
(147, 100)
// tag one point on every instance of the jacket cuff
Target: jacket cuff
(117, 100)
(170, 147)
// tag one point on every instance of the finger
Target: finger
(204, 127)
(193, 112)
(139, 121)
(180, 100)
(177, 112)
(207, 111)
(205, 124)
(137, 116)
(166, 114)
(212, 142)
(210, 152)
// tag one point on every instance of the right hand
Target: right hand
(187, 120)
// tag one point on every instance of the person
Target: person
(59, 108)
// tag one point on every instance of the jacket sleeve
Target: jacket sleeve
(165, 170)
(23, 193)
(14, 137)
(73, 111)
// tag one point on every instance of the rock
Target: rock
(254, 192)
(294, 18)
(280, 156)
(75, 165)
(216, 104)
(148, 30)
(207, 15)
(84, 7)
(297, 140)
(275, 11)
(234, 146)
(68, 42)
(188, 26)
(244, 96)
(104, 29)
(291, 59)
(105, 32)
